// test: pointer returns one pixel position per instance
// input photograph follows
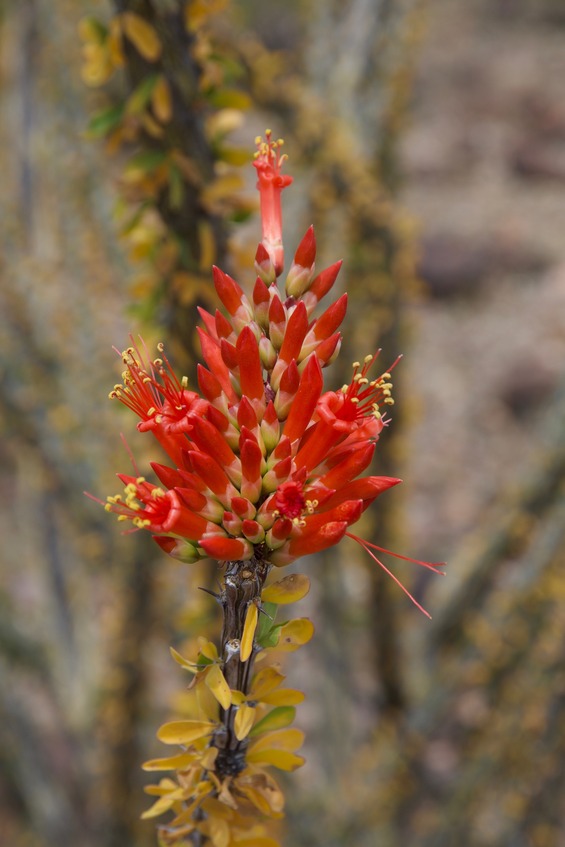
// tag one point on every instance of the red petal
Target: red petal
(213, 357)
(294, 334)
(367, 489)
(306, 250)
(311, 384)
(349, 511)
(226, 549)
(229, 292)
(330, 320)
(322, 538)
(325, 280)
(209, 472)
(210, 441)
(350, 467)
(250, 368)
(208, 384)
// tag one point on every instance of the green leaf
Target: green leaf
(265, 622)
(271, 638)
(176, 187)
(277, 718)
(103, 122)
(141, 96)
(229, 98)
(147, 160)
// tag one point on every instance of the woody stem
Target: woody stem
(243, 583)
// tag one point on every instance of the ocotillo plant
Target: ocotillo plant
(265, 469)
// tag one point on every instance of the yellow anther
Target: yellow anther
(377, 415)
(356, 365)
(108, 507)
(122, 517)
(345, 388)
(160, 346)
(146, 379)
(368, 359)
(184, 382)
(357, 377)
(151, 411)
(385, 376)
(157, 492)
(355, 399)
(389, 401)
(158, 363)
(363, 381)
(140, 479)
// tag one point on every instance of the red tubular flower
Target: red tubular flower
(265, 463)
(270, 183)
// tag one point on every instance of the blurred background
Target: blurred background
(427, 142)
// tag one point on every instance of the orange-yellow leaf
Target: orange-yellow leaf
(243, 721)
(292, 588)
(208, 649)
(142, 36)
(283, 697)
(162, 805)
(282, 759)
(278, 739)
(260, 841)
(184, 663)
(237, 697)
(218, 831)
(264, 682)
(249, 627)
(216, 682)
(295, 633)
(161, 101)
(172, 763)
(208, 759)
(183, 732)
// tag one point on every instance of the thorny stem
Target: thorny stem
(243, 583)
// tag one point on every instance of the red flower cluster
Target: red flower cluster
(264, 462)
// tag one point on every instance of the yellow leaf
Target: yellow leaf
(172, 763)
(264, 682)
(237, 697)
(161, 101)
(257, 842)
(278, 739)
(220, 189)
(295, 633)
(292, 588)
(283, 697)
(208, 759)
(282, 759)
(142, 36)
(216, 682)
(208, 649)
(160, 807)
(218, 831)
(249, 627)
(184, 663)
(243, 721)
(184, 732)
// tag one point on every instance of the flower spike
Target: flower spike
(262, 466)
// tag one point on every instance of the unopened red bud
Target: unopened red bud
(264, 265)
